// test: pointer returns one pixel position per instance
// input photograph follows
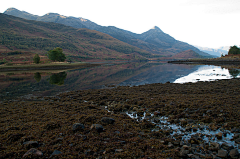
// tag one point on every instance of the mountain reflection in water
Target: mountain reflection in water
(17, 84)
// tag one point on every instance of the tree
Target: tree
(36, 59)
(56, 55)
(234, 50)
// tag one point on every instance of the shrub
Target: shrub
(36, 59)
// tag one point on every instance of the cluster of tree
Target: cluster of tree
(56, 55)
(234, 50)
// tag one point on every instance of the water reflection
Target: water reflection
(57, 78)
(37, 76)
(205, 73)
(234, 72)
(17, 84)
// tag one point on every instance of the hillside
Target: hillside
(78, 44)
(154, 40)
(187, 54)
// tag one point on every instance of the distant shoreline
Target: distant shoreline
(208, 61)
(51, 66)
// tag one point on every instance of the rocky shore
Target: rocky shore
(149, 121)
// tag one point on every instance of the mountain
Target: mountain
(154, 40)
(215, 52)
(187, 54)
(78, 44)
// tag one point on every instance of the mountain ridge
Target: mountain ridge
(18, 34)
(161, 43)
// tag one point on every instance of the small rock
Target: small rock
(234, 153)
(33, 153)
(77, 127)
(97, 127)
(107, 120)
(222, 153)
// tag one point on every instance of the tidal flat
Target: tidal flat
(126, 122)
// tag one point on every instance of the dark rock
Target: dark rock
(234, 153)
(97, 127)
(107, 120)
(77, 127)
(55, 153)
(30, 144)
(227, 146)
(33, 153)
(222, 153)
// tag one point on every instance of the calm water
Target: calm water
(27, 84)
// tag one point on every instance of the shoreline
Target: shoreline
(50, 125)
(54, 66)
(207, 61)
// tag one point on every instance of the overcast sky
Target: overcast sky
(206, 23)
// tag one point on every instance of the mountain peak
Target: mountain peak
(156, 28)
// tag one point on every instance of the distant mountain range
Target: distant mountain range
(215, 51)
(153, 40)
(23, 35)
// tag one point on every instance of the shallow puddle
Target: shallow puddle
(187, 132)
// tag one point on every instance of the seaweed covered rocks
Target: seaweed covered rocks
(125, 122)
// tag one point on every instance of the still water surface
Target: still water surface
(27, 84)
